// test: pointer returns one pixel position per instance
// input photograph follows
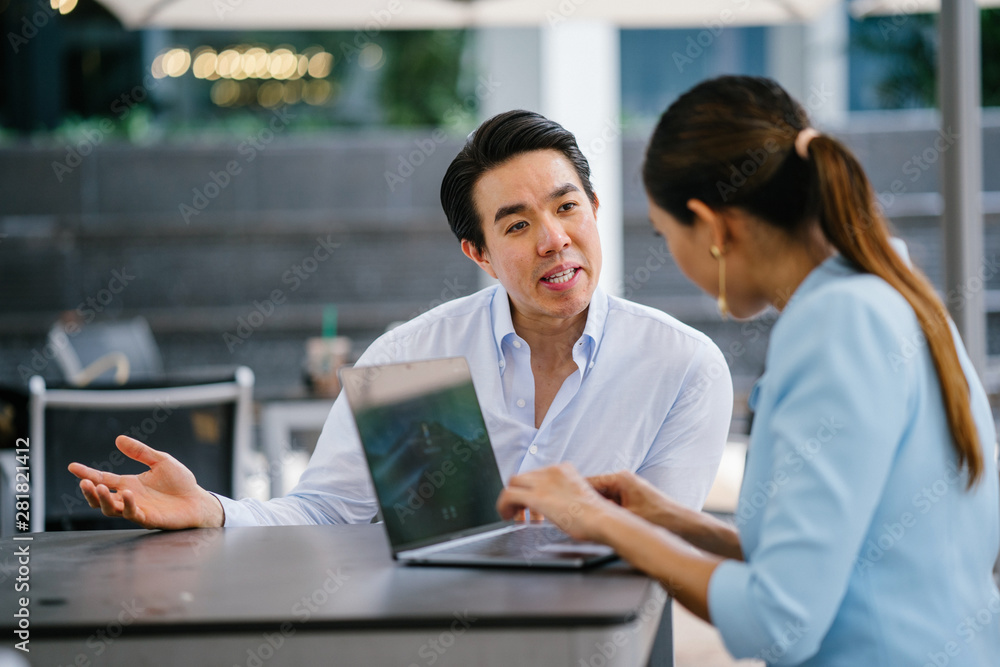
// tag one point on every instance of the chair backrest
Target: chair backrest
(207, 427)
(106, 352)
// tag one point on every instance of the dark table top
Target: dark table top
(317, 577)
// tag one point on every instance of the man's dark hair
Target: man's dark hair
(497, 140)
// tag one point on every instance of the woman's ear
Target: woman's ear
(716, 224)
(480, 258)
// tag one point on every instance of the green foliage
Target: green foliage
(990, 26)
(420, 79)
(907, 46)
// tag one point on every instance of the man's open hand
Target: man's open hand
(165, 496)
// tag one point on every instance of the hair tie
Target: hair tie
(802, 141)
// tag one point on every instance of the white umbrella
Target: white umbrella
(427, 14)
(864, 8)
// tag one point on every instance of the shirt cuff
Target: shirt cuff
(237, 513)
(730, 609)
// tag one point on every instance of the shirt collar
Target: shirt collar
(593, 331)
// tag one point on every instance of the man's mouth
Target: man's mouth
(561, 277)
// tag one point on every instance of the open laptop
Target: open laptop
(435, 474)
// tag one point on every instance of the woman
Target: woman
(868, 518)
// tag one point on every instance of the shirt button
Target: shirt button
(501, 364)
(520, 402)
(517, 344)
(533, 449)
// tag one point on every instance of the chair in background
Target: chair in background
(106, 352)
(207, 427)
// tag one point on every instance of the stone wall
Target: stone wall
(196, 238)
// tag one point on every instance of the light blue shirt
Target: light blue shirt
(862, 544)
(650, 395)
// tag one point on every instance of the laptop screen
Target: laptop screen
(427, 447)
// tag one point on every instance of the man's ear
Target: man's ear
(480, 258)
(597, 203)
(716, 224)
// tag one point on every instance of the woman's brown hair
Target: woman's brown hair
(730, 142)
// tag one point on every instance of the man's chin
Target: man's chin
(567, 302)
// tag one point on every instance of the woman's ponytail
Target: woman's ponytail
(731, 142)
(854, 225)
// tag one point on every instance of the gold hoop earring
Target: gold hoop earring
(722, 303)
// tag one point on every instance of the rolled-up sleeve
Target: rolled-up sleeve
(335, 487)
(830, 412)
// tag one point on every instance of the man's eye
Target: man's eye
(568, 206)
(517, 226)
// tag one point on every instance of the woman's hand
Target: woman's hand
(561, 494)
(637, 496)
(646, 501)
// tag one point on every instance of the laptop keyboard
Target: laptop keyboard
(518, 543)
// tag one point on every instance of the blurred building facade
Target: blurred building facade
(233, 245)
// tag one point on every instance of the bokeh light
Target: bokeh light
(371, 57)
(246, 74)
(320, 65)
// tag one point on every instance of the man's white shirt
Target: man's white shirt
(651, 395)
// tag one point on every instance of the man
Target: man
(563, 371)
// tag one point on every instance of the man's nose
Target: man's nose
(554, 238)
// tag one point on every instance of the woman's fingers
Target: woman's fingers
(510, 504)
